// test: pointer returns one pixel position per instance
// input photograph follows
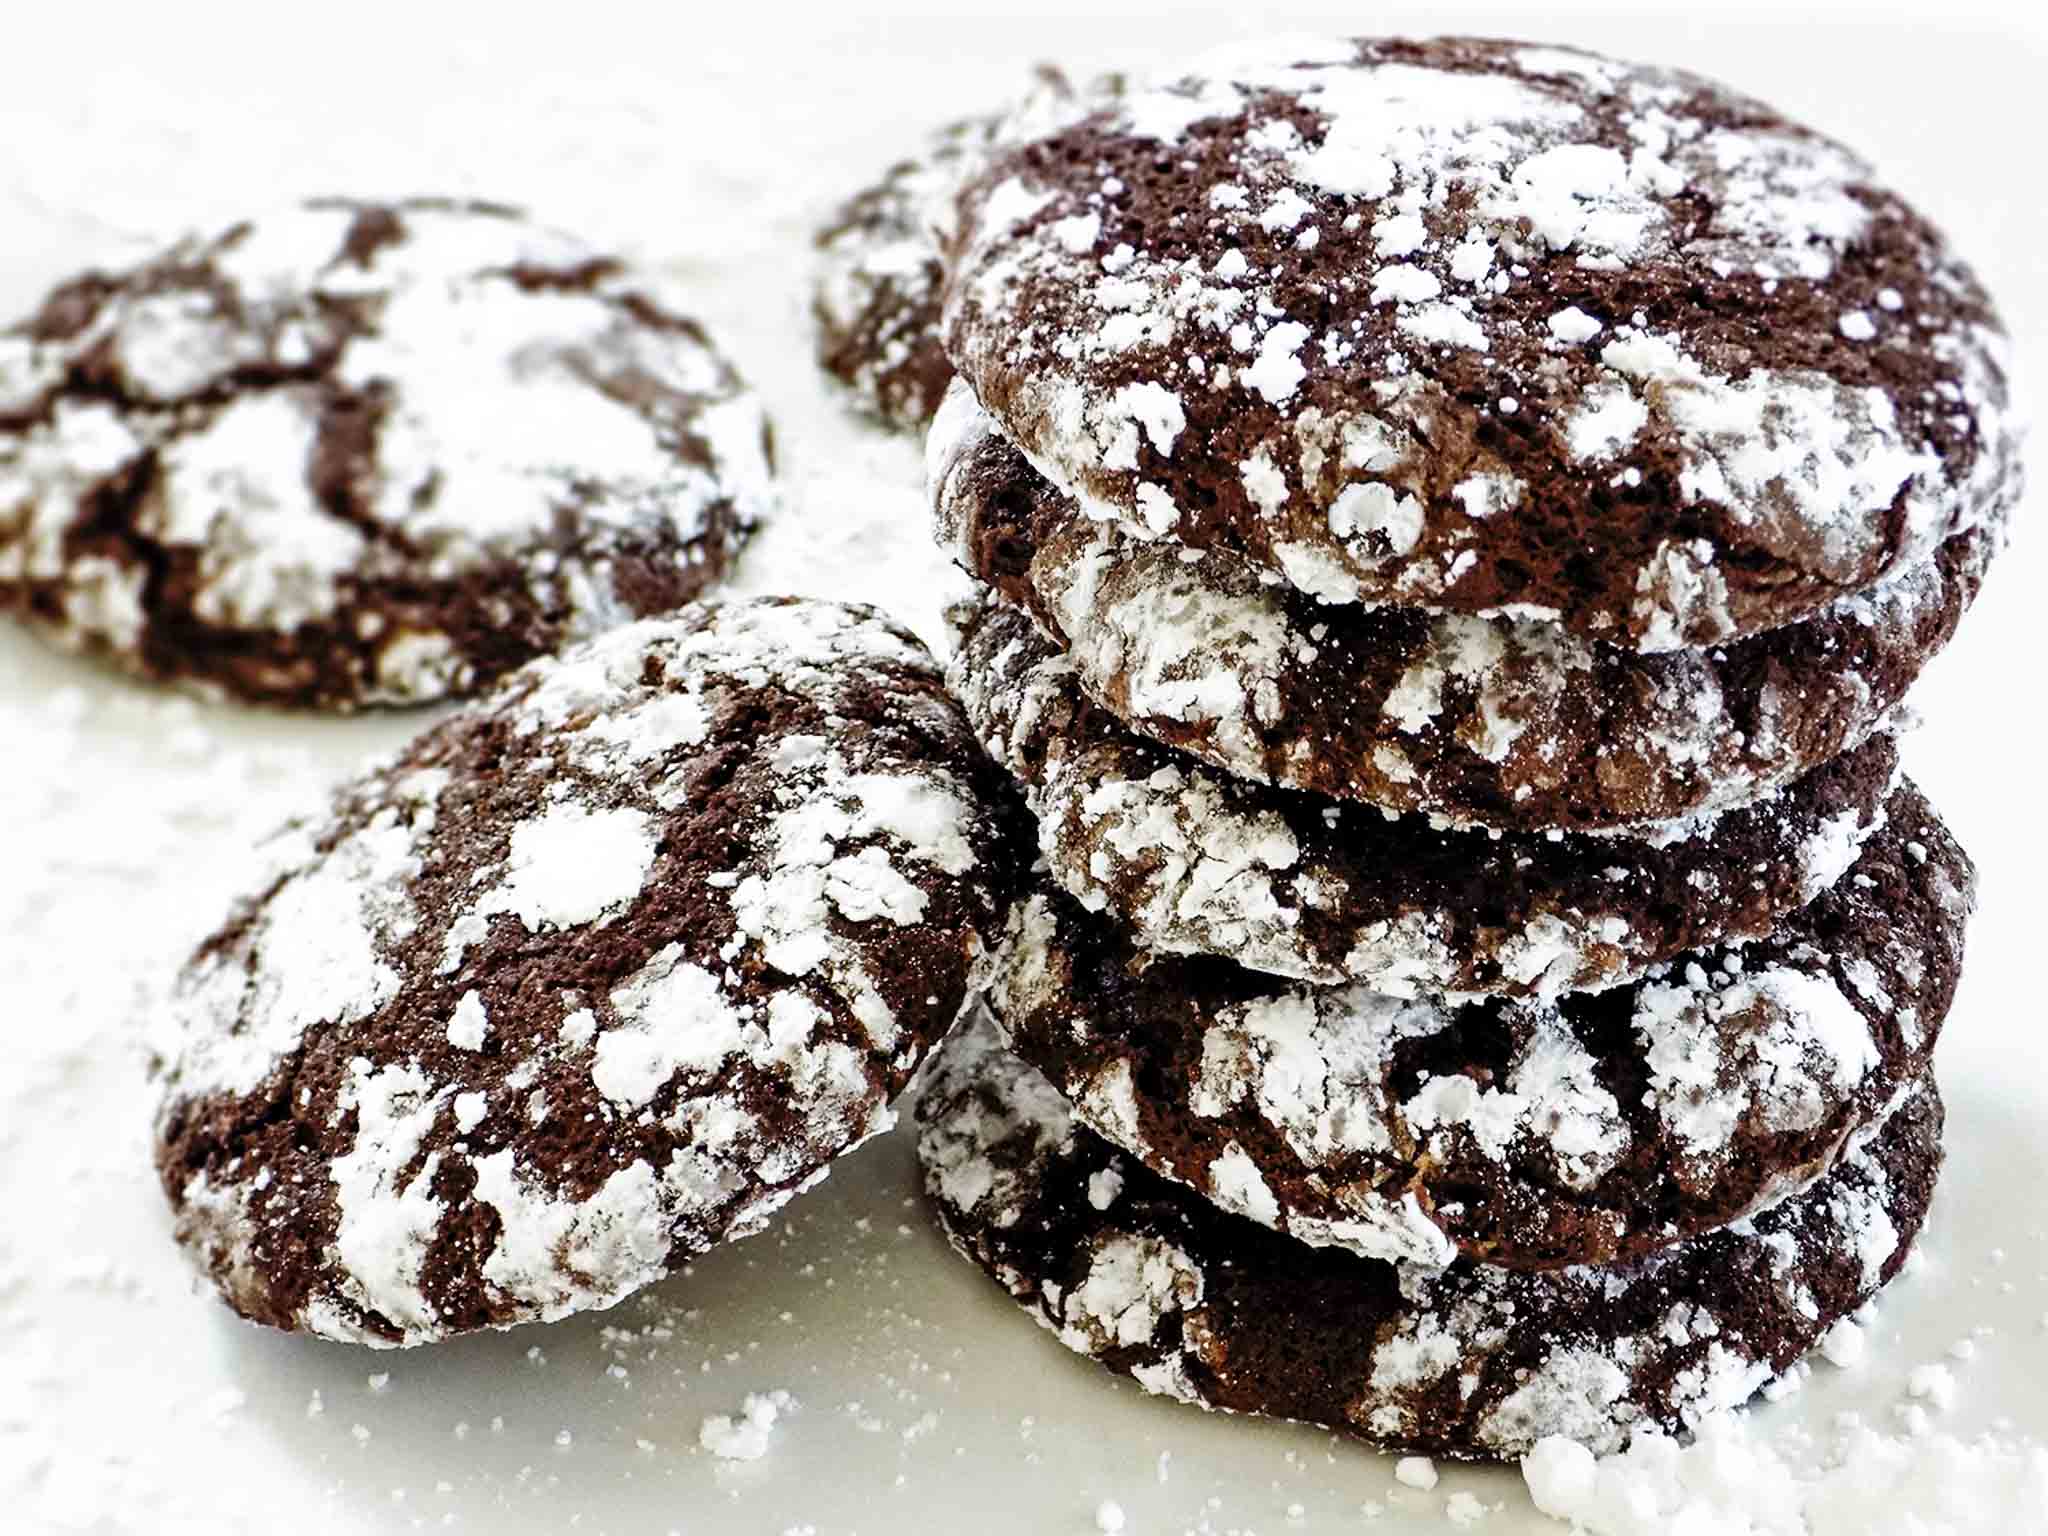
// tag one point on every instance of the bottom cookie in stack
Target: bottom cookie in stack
(1451, 1225)
(1471, 1361)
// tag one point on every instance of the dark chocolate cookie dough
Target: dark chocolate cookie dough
(360, 453)
(1485, 327)
(1196, 1304)
(595, 974)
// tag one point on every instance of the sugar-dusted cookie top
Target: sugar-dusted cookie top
(1479, 326)
(359, 453)
(595, 974)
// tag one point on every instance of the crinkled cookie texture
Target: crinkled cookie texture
(1194, 862)
(359, 453)
(1587, 1130)
(1471, 1362)
(596, 974)
(875, 296)
(1485, 327)
(1498, 722)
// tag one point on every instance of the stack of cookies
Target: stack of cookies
(1457, 521)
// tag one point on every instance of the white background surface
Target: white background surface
(129, 1402)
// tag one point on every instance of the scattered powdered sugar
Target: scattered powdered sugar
(745, 1436)
(1732, 1479)
(1415, 1472)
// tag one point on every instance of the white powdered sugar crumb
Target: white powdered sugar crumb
(1735, 1480)
(745, 1436)
(1845, 1344)
(1415, 1472)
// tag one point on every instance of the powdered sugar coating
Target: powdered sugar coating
(1509, 721)
(1195, 862)
(1364, 278)
(1584, 1130)
(1469, 1362)
(354, 453)
(875, 295)
(594, 975)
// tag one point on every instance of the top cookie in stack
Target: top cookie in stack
(1458, 519)
(1465, 354)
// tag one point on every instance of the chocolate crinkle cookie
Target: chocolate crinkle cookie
(1486, 328)
(364, 453)
(875, 296)
(1197, 1304)
(1593, 1128)
(596, 974)
(1497, 722)
(1194, 862)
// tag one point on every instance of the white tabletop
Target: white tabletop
(130, 1401)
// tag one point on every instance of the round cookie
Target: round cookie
(1194, 862)
(875, 297)
(1486, 328)
(595, 974)
(1471, 1362)
(1586, 1130)
(358, 453)
(1506, 723)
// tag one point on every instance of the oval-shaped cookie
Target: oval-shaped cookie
(1193, 1303)
(597, 973)
(1194, 862)
(1586, 1130)
(1487, 328)
(1505, 723)
(362, 453)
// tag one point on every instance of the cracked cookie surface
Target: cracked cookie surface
(1496, 722)
(595, 974)
(1487, 328)
(1196, 862)
(1195, 1304)
(359, 453)
(1587, 1129)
